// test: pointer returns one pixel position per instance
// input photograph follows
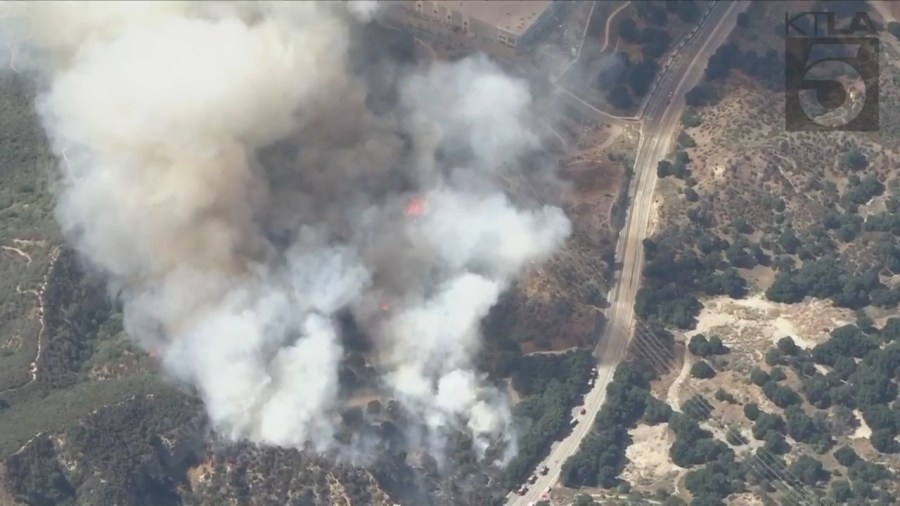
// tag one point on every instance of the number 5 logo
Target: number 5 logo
(832, 84)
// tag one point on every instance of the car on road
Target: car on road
(532, 479)
(574, 422)
(545, 470)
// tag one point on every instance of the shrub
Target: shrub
(702, 370)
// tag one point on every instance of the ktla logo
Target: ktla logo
(831, 72)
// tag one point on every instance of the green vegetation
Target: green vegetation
(672, 280)
(601, 456)
(550, 385)
(702, 347)
(702, 370)
(119, 443)
(631, 80)
(76, 307)
(28, 232)
(63, 408)
(686, 141)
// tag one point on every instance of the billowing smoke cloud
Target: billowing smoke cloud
(241, 170)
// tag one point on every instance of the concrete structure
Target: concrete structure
(513, 22)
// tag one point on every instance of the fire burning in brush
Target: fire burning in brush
(415, 207)
(239, 225)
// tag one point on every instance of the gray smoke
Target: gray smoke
(233, 170)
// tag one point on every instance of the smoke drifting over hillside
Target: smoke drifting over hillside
(241, 171)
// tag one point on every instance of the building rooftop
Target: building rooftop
(513, 16)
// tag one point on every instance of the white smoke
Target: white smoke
(163, 110)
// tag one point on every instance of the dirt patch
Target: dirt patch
(672, 394)
(745, 499)
(648, 465)
(863, 431)
(751, 326)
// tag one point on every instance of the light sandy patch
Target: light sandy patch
(745, 499)
(648, 456)
(673, 399)
(17, 251)
(654, 217)
(863, 431)
(514, 396)
(754, 324)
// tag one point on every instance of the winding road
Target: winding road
(659, 123)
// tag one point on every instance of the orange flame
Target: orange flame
(415, 207)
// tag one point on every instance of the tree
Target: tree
(848, 341)
(781, 395)
(777, 374)
(846, 456)
(685, 140)
(766, 422)
(787, 346)
(663, 168)
(619, 97)
(723, 396)
(818, 391)
(773, 357)
(722, 60)
(702, 370)
(691, 195)
(891, 330)
(688, 11)
(751, 410)
(775, 443)
(657, 412)
(855, 161)
(641, 76)
(759, 377)
(628, 30)
(700, 95)
(804, 428)
(883, 441)
(653, 13)
(785, 289)
(808, 470)
(702, 347)
(696, 407)
(841, 491)
(654, 42)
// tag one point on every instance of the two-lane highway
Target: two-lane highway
(659, 123)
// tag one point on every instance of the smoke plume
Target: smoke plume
(243, 173)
